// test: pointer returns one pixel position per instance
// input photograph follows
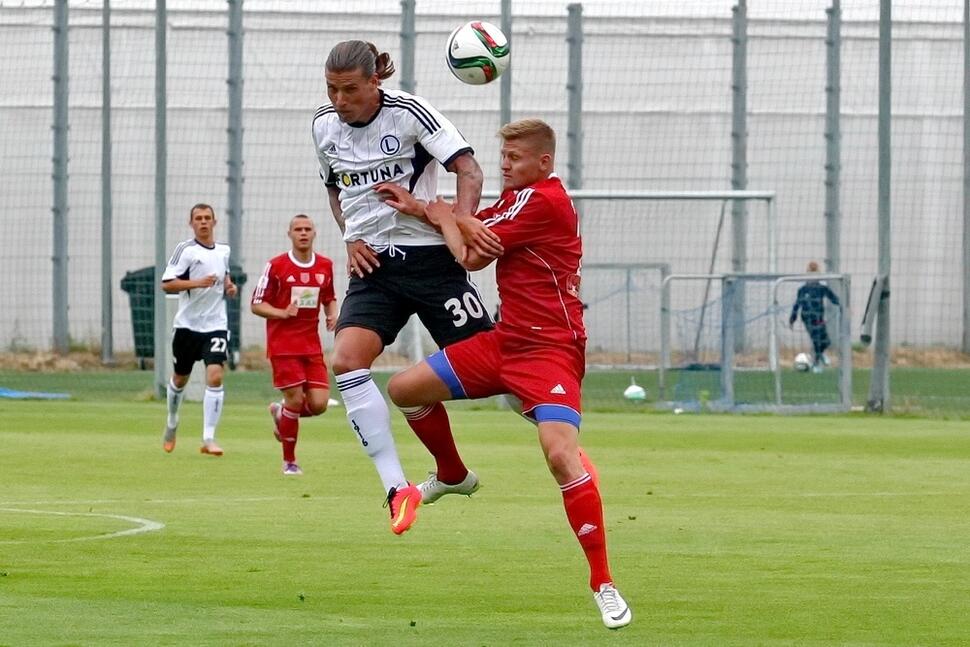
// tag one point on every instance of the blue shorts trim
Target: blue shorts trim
(555, 413)
(442, 367)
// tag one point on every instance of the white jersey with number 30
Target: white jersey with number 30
(399, 144)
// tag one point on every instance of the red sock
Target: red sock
(430, 424)
(584, 510)
(289, 428)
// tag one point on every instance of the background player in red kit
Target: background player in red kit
(536, 351)
(289, 294)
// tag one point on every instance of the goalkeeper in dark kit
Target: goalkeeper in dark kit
(811, 301)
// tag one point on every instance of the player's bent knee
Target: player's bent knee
(317, 409)
(563, 460)
(213, 375)
(400, 391)
(343, 363)
(293, 401)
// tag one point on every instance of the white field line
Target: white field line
(141, 525)
(218, 500)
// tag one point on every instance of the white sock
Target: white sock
(211, 411)
(174, 398)
(370, 421)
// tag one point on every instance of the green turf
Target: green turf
(724, 530)
(914, 391)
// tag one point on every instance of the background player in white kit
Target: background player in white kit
(399, 266)
(198, 272)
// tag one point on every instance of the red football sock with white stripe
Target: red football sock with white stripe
(430, 424)
(584, 510)
(289, 428)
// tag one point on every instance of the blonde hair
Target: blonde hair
(360, 55)
(537, 131)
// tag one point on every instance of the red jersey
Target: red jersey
(538, 275)
(285, 280)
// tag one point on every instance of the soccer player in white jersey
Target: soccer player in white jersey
(198, 272)
(398, 265)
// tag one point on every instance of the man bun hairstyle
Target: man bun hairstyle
(351, 55)
(537, 131)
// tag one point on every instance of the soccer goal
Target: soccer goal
(731, 347)
(632, 240)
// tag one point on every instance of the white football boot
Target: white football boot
(614, 609)
(432, 489)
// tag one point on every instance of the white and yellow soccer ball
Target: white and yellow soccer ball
(802, 362)
(477, 52)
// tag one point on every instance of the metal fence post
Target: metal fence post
(505, 96)
(739, 160)
(234, 163)
(412, 330)
(59, 173)
(161, 186)
(574, 89)
(879, 384)
(107, 304)
(965, 346)
(408, 38)
(833, 138)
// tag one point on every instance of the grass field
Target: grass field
(723, 530)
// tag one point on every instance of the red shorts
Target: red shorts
(294, 370)
(546, 379)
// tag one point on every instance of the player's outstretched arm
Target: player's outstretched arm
(476, 236)
(441, 214)
(479, 238)
(399, 198)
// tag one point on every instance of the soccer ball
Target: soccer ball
(477, 52)
(802, 363)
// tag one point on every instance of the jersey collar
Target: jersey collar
(313, 259)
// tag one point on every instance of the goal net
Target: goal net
(732, 347)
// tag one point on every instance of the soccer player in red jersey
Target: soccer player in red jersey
(289, 295)
(536, 351)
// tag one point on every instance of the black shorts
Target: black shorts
(188, 347)
(416, 280)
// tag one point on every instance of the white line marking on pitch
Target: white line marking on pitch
(216, 500)
(143, 525)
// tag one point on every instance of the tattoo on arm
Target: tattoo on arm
(469, 184)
